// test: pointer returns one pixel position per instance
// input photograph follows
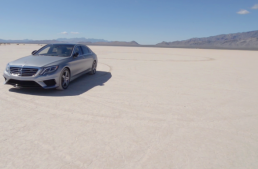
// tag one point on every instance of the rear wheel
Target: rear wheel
(64, 79)
(93, 68)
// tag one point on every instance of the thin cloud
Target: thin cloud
(243, 12)
(255, 6)
(74, 32)
(64, 32)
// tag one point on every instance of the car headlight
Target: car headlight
(7, 68)
(48, 70)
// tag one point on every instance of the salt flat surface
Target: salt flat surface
(146, 108)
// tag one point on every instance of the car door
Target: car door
(88, 55)
(77, 64)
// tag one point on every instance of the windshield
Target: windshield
(56, 50)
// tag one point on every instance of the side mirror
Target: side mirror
(33, 52)
(75, 54)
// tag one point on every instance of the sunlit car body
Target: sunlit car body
(52, 66)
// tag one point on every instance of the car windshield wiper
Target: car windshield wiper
(53, 55)
(49, 55)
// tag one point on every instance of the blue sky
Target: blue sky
(145, 21)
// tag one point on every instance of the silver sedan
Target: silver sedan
(52, 66)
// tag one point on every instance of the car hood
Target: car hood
(36, 60)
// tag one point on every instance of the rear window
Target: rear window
(85, 50)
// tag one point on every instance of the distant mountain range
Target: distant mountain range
(86, 41)
(245, 40)
(15, 41)
(59, 40)
(77, 40)
(112, 43)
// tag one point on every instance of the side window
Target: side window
(82, 50)
(89, 50)
(78, 49)
(85, 50)
(44, 51)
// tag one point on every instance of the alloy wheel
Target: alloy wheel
(65, 79)
(93, 69)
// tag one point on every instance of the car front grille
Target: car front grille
(23, 71)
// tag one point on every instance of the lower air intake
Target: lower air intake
(49, 83)
(20, 83)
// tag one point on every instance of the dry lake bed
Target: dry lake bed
(146, 108)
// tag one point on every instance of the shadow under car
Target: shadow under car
(78, 86)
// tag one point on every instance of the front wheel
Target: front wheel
(64, 79)
(93, 68)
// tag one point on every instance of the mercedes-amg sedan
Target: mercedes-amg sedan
(52, 66)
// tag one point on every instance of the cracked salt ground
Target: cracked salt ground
(145, 108)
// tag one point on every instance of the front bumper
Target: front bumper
(46, 82)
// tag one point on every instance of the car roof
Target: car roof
(64, 44)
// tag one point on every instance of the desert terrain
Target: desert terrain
(146, 108)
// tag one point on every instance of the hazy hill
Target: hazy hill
(112, 43)
(15, 41)
(59, 40)
(245, 40)
(76, 40)
(30, 41)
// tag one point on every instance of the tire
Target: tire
(64, 79)
(93, 68)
